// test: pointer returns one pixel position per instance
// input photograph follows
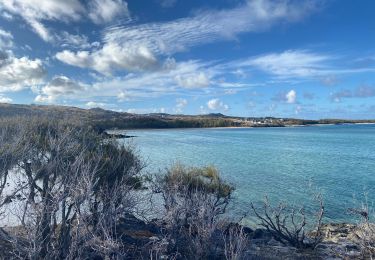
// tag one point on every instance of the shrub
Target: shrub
(68, 188)
(288, 224)
(193, 198)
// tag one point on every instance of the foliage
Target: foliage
(193, 198)
(68, 188)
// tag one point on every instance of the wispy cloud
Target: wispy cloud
(150, 41)
(36, 12)
(290, 63)
(6, 39)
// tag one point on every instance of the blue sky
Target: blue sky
(285, 58)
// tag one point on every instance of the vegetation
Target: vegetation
(66, 187)
(194, 198)
(72, 194)
(288, 224)
(102, 120)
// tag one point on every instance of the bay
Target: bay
(286, 164)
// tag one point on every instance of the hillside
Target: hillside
(107, 119)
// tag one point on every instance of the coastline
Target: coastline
(110, 131)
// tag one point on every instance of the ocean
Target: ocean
(287, 164)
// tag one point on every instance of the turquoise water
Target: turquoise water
(279, 162)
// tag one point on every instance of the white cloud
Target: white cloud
(6, 15)
(291, 97)
(19, 73)
(59, 86)
(146, 110)
(92, 104)
(139, 46)
(111, 57)
(37, 12)
(4, 99)
(291, 63)
(197, 80)
(217, 104)
(104, 11)
(172, 79)
(34, 12)
(203, 27)
(123, 96)
(150, 84)
(67, 39)
(6, 39)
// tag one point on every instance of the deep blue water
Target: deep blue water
(279, 162)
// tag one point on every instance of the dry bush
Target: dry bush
(193, 198)
(235, 242)
(288, 224)
(365, 230)
(68, 189)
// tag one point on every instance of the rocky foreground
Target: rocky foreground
(340, 242)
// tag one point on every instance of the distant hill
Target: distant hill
(106, 119)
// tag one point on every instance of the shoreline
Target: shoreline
(233, 127)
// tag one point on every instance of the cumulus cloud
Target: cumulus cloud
(197, 80)
(19, 73)
(111, 57)
(151, 84)
(57, 87)
(291, 97)
(217, 104)
(4, 99)
(173, 79)
(104, 11)
(123, 96)
(93, 104)
(6, 39)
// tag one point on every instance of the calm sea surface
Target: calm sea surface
(287, 164)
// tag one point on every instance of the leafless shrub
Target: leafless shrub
(365, 230)
(68, 189)
(288, 224)
(193, 198)
(235, 242)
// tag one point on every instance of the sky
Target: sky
(284, 58)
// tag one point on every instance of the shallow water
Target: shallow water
(279, 162)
